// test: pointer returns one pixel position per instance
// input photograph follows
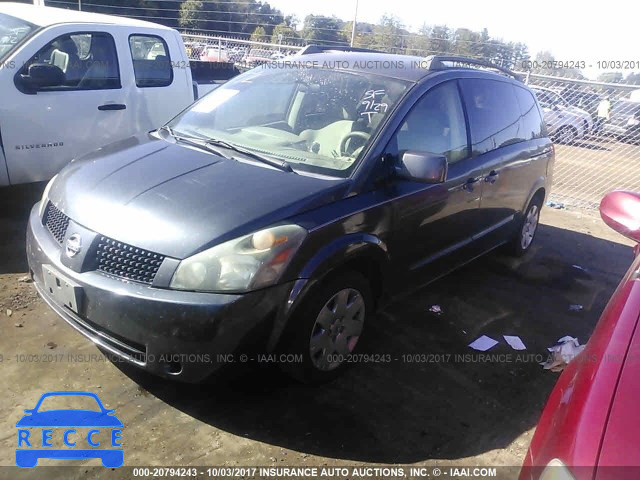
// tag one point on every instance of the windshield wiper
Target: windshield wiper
(279, 164)
(193, 141)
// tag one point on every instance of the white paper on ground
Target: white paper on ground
(567, 349)
(483, 343)
(515, 342)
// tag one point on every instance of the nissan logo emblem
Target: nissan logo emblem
(74, 245)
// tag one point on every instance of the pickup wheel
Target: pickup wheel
(527, 228)
(327, 328)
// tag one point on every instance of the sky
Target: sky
(570, 30)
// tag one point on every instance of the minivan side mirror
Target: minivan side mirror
(621, 211)
(42, 75)
(422, 167)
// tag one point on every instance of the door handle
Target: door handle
(469, 184)
(112, 106)
(492, 177)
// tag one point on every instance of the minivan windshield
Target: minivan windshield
(12, 32)
(317, 120)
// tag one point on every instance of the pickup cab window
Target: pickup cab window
(151, 62)
(12, 32)
(82, 61)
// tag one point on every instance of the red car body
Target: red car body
(591, 422)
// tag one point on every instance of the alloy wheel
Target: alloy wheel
(529, 227)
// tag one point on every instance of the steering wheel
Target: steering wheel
(343, 143)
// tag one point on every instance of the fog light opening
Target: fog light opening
(173, 368)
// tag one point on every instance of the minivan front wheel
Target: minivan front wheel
(326, 330)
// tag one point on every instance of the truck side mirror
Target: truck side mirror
(41, 75)
(422, 167)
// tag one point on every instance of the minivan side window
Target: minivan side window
(435, 124)
(532, 123)
(86, 60)
(494, 114)
(151, 62)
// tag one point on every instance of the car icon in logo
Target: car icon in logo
(73, 245)
(33, 446)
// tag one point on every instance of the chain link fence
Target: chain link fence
(596, 130)
(595, 126)
(242, 52)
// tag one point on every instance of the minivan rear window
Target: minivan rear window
(494, 114)
(532, 122)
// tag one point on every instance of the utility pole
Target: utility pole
(80, 5)
(353, 30)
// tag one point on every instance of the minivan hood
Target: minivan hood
(176, 200)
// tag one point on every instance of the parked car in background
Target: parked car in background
(590, 428)
(564, 121)
(194, 49)
(624, 121)
(586, 100)
(281, 209)
(258, 56)
(72, 82)
(214, 53)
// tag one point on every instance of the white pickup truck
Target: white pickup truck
(71, 82)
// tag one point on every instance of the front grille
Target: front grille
(125, 261)
(56, 222)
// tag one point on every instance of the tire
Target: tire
(566, 135)
(316, 332)
(527, 229)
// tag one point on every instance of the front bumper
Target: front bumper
(177, 334)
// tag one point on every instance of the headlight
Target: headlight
(45, 195)
(632, 122)
(246, 263)
(556, 470)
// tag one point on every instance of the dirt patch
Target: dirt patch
(430, 405)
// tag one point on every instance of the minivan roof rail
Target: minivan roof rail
(309, 49)
(437, 62)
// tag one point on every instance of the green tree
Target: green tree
(419, 44)
(288, 33)
(464, 42)
(259, 34)
(324, 30)
(389, 35)
(633, 79)
(440, 39)
(192, 15)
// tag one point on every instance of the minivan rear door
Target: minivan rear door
(498, 144)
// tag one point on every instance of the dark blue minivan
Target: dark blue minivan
(282, 209)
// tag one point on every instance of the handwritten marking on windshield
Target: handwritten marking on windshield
(371, 105)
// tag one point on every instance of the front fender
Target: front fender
(360, 248)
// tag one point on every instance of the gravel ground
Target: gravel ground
(426, 407)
